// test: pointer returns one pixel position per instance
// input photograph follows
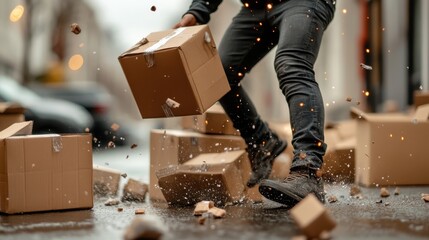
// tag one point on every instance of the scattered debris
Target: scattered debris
(379, 201)
(86, 129)
(425, 197)
(143, 228)
(139, 211)
(312, 217)
(111, 144)
(349, 99)
(106, 181)
(355, 190)
(366, 67)
(217, 212)
(111, 202)
(332, 199)
(115, 127)
(387, 204)
(120, 209)
(153, 8)
(202, 220)
(396, 191)
(133, 145)
(384, 192)
(203, 207)
(124, 175)
(134, 191)
(75, 28)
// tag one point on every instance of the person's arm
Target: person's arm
(199, 12)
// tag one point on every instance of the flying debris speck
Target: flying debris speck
(153, 8)
(75, 28)
(366, 67)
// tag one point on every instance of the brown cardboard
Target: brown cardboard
(44, 172)
(213, 121)
(312, 217)
(135, 190)
(176, 72)
(10, 113)
(392, 149)
(106, 180)
(339, 161)
(421, 98)
(216, 177)
(174, 147)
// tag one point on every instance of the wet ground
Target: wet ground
(403, 216)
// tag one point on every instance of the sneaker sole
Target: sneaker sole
(274, 191)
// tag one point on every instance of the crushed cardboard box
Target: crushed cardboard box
(215, 176)
(392, 149)
(174, 147)
(106, 180)
(213, 121)
(312, 217)
(44, 172)
(176, 72)
(10, 113)
(135, 190)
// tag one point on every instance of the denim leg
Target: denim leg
(301, 24)
(244, 43)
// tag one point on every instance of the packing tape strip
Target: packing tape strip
(148, 53)
(57, 144)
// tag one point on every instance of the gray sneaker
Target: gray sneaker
(262, 157)
(294, 188)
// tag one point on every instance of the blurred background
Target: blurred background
(40, 54)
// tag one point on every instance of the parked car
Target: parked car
(97, 101)
(48, 115)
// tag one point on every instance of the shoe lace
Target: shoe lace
(296, 175)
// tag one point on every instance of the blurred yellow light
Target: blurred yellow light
(344, 11)
(301, 104)
(16, 13)
(367, 93)
(76, 62)
(269, 6)
(367, 50)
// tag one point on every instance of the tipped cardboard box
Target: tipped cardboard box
(174, 147)
(10, 113)
(312, 217)
(216, 177)
(106, 180)
(421, 98)
(176, 72)
(392, 149)
(213, 121)
(44, 172)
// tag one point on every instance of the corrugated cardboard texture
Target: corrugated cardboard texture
(174, 147)
(392, 149)
(37, 177)
(186, 69)
(212, 176)
(213, 121)
(311, 217)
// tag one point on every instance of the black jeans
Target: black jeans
(296, 27)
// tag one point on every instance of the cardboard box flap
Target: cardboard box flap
(11, 108)
(22, 128)
(422, 113)
(377, 117)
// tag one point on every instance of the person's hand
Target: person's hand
(187, 20)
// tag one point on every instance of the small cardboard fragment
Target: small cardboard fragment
(217, 212)
(396, 191)
(111, 202)
(332, 199)
(384, 192)
(135, 191)
(139, 211)
(143, 228)
(202, 207)
(354, 190)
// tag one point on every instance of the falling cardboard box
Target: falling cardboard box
(217, 177)
(10, 113)
(44, 172)
(392, 149)
(312, 217)
(174, 147)
(213, 121)
(175, 72)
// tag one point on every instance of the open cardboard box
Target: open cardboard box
(10, 113)
(44, 172)
(176, 72)
(392, 149)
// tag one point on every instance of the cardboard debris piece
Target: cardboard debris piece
(215, 176)
(135, 190)
(44, 172)
(10, 113)
(106, 180)
(143, 228)
(391, 146)
(213, 121)
(217, 212)
(176, 72)
(312, 217)
(202, 207)
(175, 147)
